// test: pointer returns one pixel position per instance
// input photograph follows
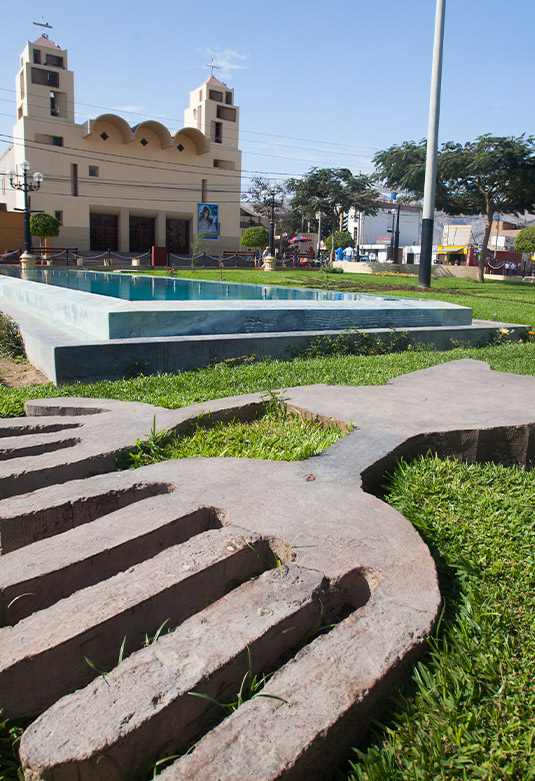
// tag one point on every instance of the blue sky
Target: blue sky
(324, 84)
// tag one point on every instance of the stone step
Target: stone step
(145, 706)
(56, 650)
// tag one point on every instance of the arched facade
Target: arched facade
(120, 187)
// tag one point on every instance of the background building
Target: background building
(503, 234)
(11, 231)
(376, 230)
(118, 187)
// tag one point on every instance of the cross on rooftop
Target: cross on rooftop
(42, 23)
(212, 66)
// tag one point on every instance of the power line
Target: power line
(229, 130)
(119, 159)
(181, 122)
(98, 181)
(143, 200)
(116, 158)
(84, 154)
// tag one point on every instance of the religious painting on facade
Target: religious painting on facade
(208, 220)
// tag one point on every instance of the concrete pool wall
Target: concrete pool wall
(67, 333)
(104, 318)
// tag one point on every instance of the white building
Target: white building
(374, 232)
(118, 187)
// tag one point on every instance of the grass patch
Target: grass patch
(277, 436)
(10, 734)
(469, 712)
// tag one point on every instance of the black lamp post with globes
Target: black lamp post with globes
(21, 182)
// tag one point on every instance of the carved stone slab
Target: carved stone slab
(296, 568)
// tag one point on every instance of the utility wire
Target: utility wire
(110, 157)
(115, 158)
(111, 109)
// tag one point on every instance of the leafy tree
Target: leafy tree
(525, 241)
(44, 225)
(262, 206)
(292, 222)
(489, 175)
(257, 236)
(333, 192)
(341, 239)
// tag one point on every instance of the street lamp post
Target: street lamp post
(396, 235)
(392, 231)
(318, 246)
(270, 200)
(21, 182)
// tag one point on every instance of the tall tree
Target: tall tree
(255, 195)
(342, 239)
(491, 175)
(333, 192)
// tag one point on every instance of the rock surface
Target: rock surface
(100, 556)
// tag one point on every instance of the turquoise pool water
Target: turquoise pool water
(145, 288)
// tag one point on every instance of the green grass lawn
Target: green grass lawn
(469, 711)
(178, 390)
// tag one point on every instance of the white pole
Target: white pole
(424, 279)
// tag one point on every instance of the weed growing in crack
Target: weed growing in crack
(3, 616)
(10, 734)
(251, 687)
(148, 641)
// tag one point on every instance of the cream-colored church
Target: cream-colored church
(119, 187)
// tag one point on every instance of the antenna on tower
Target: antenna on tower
(42, 23)
(212, 66)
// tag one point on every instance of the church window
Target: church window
(74, 179)
(41, 76)
(226, 113)
(54, 61)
